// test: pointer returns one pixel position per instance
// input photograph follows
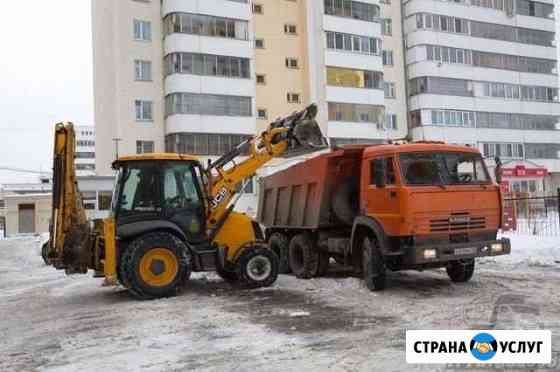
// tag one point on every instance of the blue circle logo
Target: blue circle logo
(483, 346)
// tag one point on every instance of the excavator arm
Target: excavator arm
(295, 133)
(71, 237)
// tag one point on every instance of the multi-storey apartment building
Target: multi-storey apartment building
(85, 150)
(484, 73)
(200, 76)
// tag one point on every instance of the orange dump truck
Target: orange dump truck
(384, 207)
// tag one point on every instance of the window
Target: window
(261, 79)
(259, 43)
(447, 168)
(257, 8)
(202, 143)
(205, 25)
(387, 27)
(353, 43)
(350, 112)
(142, 70)
(352, 9)
(504, 150)
(144, 110)
(345, 77)
(208, 104)
(290, 29)
(142, 30)
(293, 97)
(85, 155)
(388, 57)
(262, 114)
(104, 200)
(390, 176)
(389, 89)
(144, 147)
(291, 62)
(390, 121)
(207, 64)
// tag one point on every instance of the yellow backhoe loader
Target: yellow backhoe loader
(170, 214)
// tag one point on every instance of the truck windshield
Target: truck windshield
(443, 168)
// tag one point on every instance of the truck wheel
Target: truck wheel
(373, 265)
(279, 244)
(155, 265)
(258, 267)
(304, 258)
(460, 271)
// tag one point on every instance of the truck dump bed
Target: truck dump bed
(301, 196)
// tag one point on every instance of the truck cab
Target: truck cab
(437, 200)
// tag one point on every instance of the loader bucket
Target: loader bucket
(304, 131)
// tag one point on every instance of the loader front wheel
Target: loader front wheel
(155, 265)
(258, 267)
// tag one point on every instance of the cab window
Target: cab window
(390, 176)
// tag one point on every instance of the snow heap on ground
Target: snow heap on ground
(531, 250)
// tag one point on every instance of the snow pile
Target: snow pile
(531, 251)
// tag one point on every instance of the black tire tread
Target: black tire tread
(374, 270)
(310, 265)
(280, 244)
(132, 254)
(244, 258)
(460, 272)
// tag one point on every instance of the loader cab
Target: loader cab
(160, 190)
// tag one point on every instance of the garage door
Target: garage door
(26, 218)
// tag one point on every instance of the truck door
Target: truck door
(381, 201)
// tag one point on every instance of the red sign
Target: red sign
(522, 171)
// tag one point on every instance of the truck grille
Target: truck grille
(457, 222)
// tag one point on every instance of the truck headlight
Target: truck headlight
(429, 254)
(497, 247)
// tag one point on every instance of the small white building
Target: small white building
(85, 150)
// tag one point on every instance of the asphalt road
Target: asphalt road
(51, 322)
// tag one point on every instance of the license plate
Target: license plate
(465, 251)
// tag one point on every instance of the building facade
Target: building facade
(484, 73)
(85, 150)
(201, 76)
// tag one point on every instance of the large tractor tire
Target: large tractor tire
(304, 258)
(373, 265)
(155, 265)
(279, 243)
(460, 271)
(345, 201)
(257, 267)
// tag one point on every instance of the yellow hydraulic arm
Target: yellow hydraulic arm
(295, 133)
(71, 238)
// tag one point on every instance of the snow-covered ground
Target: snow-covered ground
(51, 322)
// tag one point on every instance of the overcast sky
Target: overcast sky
(45, 77)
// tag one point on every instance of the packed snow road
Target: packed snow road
(50, 322)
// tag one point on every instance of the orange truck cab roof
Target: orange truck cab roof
(371, 151)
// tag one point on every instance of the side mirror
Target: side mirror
(498, 170)
(380, 172)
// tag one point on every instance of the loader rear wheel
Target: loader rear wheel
(304, 258)
(460, 271)
(258, 267)
(155, 265)
(374, 270)
(279, 243)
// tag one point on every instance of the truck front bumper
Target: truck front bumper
(427, 254)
